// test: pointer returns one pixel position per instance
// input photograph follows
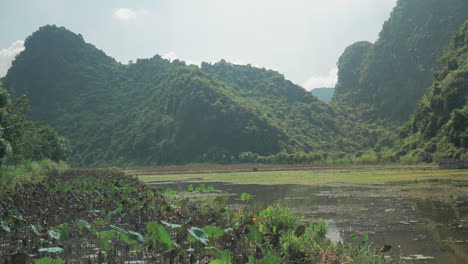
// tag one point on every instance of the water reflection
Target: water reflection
(411, 226)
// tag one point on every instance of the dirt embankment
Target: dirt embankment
(262, 167)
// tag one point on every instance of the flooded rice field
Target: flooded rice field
(405, 215)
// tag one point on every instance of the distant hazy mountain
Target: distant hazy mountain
(324, 94)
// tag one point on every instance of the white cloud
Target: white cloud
(170, 56)
(125, 14)
(8, 55)
(317, 81)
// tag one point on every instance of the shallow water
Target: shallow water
(411, 225)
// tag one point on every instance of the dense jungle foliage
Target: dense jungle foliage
(438, 127)
(158, 112)
(386, 79)
(22, 139)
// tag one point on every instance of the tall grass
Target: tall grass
(409, 159)
(27, 171)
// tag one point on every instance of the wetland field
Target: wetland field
(421, 211)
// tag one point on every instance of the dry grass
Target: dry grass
(382, 174)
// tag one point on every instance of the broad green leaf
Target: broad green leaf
(170, 225)
(4, 226)
(105, 245)
(54, 234)
(126, 238)
(270, 260)
(17, 215)
(159, 235)
(51, 250)
(99, 222)
(255, 234)
(199, 235)
(34, 229)
(82, 223)
(118, 229)
(116, 211)
(222, 257)
(65, 232)
(218, 261)
(110, 234)
(136, 237)
(213, 232)
(44, 261)
(364, 239)
(49, 261)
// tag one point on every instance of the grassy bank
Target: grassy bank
(373, 174)
(27, 172)
(109, 217)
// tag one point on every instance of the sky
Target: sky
(302, 39)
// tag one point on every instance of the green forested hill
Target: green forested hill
(392, 74)
(158, 112)
(155, 111)
(438, 127)
(149, 112)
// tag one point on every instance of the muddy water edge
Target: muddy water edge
(428, 218)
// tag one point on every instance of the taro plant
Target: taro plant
(276, 219)
(159, 237)
(198, 235)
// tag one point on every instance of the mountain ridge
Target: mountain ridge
(393, 73)
(158, 112)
